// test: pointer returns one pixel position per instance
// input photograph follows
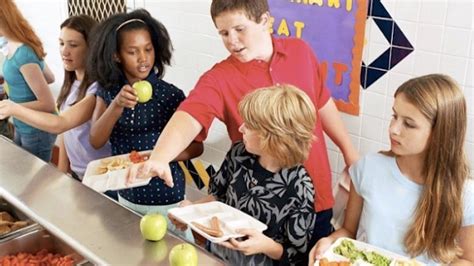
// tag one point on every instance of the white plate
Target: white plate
(112, 180)
(230, 219)
(331, 256)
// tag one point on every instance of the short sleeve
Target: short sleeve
(356, 171)
(102, 93)
(204, 103)
(27, 56)
(92, 89)
(468, 201)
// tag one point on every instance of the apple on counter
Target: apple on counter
(153, 226)
(183, 255)
(144, 90)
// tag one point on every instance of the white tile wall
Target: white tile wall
(433, 12)
(429, 38)
(469, 73)
(372, 104)
(407, 10)
(469, 94)
(459, 14)
(454, 66)
(426, 62)
(456, 41)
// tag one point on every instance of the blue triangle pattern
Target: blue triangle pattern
(400, 46)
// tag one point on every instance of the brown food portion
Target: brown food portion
(42, 257)
(214, 230)
(5, 216)
(111, 164)
(326, 262)
(215, 223)
(9, 224)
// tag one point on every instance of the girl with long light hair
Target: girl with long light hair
(417, 199)
(27, 76)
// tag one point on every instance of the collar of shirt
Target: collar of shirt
(278, 51)
(152, 78)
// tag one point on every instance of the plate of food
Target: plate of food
(110, 173)
(346, 251)
(215, 220)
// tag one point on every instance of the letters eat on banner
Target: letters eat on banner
(335, 31)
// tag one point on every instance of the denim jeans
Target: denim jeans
(39, 143)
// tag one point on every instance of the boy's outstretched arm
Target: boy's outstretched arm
(177, 135)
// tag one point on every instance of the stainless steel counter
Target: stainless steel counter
(98, 228)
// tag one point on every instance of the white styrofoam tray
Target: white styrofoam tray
(112, 180)
(230, 218)
(394, 257)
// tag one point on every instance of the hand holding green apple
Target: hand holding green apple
(183, 255)
(153, 226)
(126, 98)
(144, 90)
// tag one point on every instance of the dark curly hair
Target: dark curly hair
(106, 42)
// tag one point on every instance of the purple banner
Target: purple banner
(335, 31)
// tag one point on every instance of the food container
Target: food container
(393, 259)
(17, 216)
(37, 240)
(230, 219)
(116, 176)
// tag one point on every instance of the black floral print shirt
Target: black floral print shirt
(283, 201)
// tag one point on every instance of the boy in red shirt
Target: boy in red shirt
(256, 60)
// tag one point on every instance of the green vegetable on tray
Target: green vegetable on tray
(350, 251)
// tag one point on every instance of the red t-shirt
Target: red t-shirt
(220, 89)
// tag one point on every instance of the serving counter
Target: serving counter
(99, 229)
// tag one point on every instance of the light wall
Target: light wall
(45, 16)
(441, 32)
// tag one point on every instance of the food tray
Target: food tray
(229, 217)
(113, 179)
(37, 240)
(17, 215)
(396, 259)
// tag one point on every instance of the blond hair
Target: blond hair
(438, 216)
(284, 117)
(17, 28)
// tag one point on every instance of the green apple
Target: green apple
(183, 255)
(153, 226)
(144, 90)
